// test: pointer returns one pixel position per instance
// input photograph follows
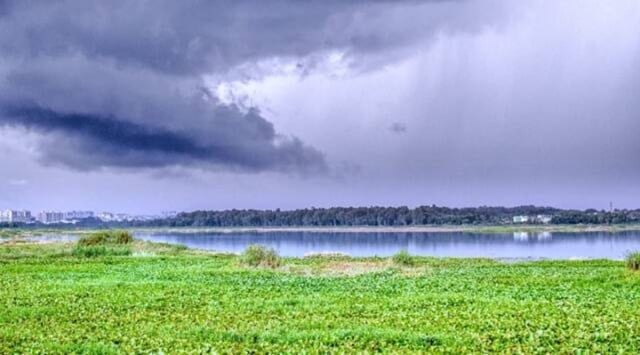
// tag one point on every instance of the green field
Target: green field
(163, 298)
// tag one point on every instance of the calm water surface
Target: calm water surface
(588, 245)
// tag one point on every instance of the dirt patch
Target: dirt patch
(352, 268)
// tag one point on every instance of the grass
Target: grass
(9, 233)
(108, 237)
(176, 300)
(633, 260)
(104, 243)
(402, 258)
(258, 255)
(100, 250)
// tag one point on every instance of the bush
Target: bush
(106, 238)
(99, 250)
(403, 258)
(258, 255)
(103, 243)
(633, 260)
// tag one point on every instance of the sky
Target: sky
(147, 106)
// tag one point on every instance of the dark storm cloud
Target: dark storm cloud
(120, 134)
(192, 37)
(86, 141)
(120, 83)
(132, 118)
(112, 139)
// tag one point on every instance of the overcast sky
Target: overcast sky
(145, 106)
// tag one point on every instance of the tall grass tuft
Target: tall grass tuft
(403, 258)
(104, 243)
(258, 255)
(99, 250)
(633, 260)
(106, 237)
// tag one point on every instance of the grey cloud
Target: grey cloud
(136, 118)
(120, 82)
(86, 141)
(195, 37)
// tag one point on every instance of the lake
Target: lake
(520, 245)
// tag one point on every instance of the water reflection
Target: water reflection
(444, 244)
(527, 236)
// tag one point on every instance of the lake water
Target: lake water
(588, 245)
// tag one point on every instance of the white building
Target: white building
(15, 216)
(72, 215)
(48, 217)
(123, 217)
(543, 218)
(106, 216)
(5, 216)
(520, 219)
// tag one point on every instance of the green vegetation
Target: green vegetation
(633, 261)
(258, 255)
(104, 243)
(9, 233)
(100, 250)
(108, 237)
(164, 298)
(403, 258)
(395, 216)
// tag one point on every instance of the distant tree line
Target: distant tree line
(592, 216)
(353, 216)
(356, 216)
(393, 216)
(372, 216)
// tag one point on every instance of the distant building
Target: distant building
(520, 219)
(75, 215)
(544, 219)
(123, 217)
(49, 217)
(15, 216)
(144, 217)
(22, 216)
(106, 216)
(113, 217)
(541, 218)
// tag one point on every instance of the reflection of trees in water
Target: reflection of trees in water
(373, 240)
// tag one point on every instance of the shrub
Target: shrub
(122, 237)
(403, 258)
(93, 251)
(258, 255)
(106, 237)
(633, 260)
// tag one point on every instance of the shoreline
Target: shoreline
(10, 233)
(489, 229)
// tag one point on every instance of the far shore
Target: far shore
(400, 229)
(8, 233)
